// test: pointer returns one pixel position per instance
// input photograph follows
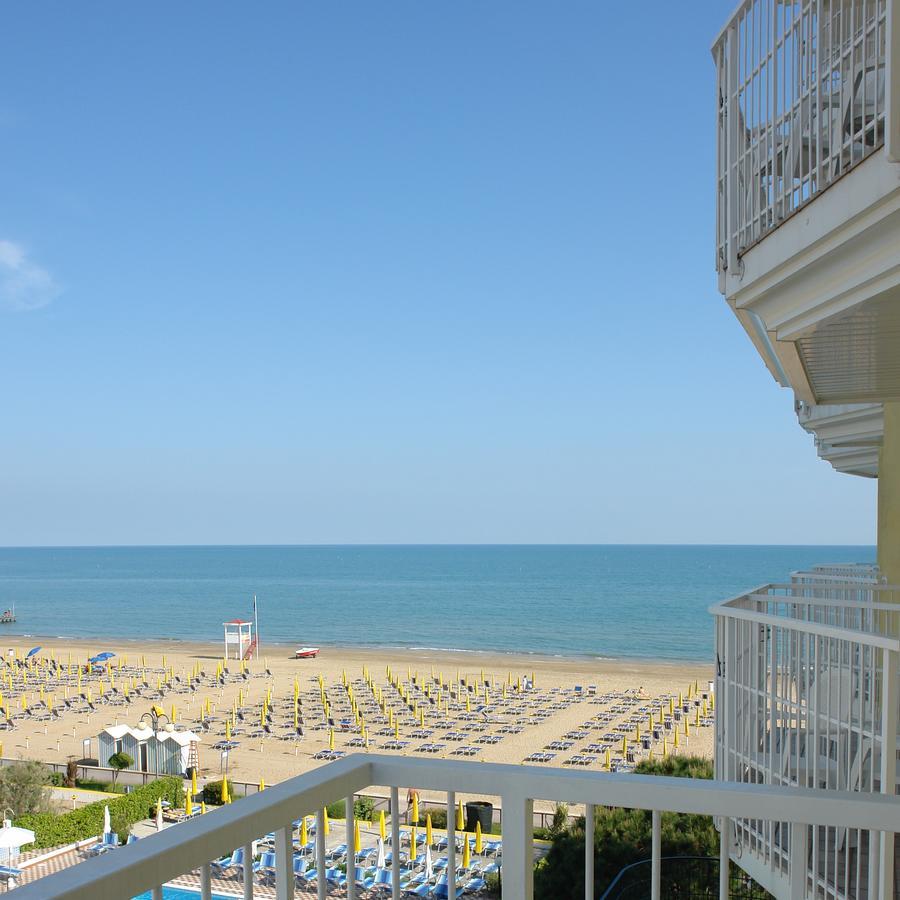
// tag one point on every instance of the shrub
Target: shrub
(52, 829)
(212, 792)
(22, 787)
(623, 836)
(56, 779)
(91, 784)
(438, 817)
(363, 808)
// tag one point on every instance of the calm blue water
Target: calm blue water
(172, 893)
(605, 601)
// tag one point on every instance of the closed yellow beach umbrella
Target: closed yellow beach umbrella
(396, 731)
(608, 761)
(413, 839)
(227, 729)
(459, 816)
(188, 806)
(304, 833)
(478, 837)
(429, 834)
(327, 826)
(331, 739)
(382, 826)
(467, 858)
(415, 808)
(356, 841)
(226, 797)
(202, 807)
(193, 781)
(262, 783)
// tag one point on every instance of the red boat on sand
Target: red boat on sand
(307, 653)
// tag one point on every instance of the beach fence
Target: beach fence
(382, 801)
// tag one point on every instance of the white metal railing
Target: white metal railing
(838, 573)
(801, 100)
(150, 862)
(808, 689)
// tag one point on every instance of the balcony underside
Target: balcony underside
(848, 436)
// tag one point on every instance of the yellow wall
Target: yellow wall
(889, 495)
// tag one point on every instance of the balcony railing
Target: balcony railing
(150, 862)
(838, 573)
(808, 690)
(801, 100)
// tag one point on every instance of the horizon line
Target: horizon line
(401, 544)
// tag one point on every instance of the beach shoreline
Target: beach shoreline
(209, 648)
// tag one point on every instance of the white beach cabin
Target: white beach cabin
(164, 752)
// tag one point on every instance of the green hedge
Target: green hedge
(53, 829)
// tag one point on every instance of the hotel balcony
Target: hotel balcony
(808, 691)
(808, 204)
(794, 814)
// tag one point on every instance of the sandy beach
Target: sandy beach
(58, 739)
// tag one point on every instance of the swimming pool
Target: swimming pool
(175, 893)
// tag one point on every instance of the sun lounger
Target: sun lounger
(109, 841)
(229, 862)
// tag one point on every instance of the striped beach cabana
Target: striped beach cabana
(164, 752)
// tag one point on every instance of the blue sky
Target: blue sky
(408, 272)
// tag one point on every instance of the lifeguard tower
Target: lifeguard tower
(239, 641)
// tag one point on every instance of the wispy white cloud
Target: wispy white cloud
(24, 285)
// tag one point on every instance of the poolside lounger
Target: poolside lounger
(229, 862)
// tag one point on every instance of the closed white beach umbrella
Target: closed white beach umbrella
(12, 838)
(380, 861)
(159, 821)
(107, 828)
(429, 866)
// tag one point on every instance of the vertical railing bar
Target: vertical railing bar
(350, 841)
(588, 852)
(284, 862)
(321, 884)
(157, 893)
(451, 844)
(655, 856)
(798, 861)
(395, 843)
(889, 726)
(724, 857)
(205, 882)
(247, 871)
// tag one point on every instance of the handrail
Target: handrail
(152, 861)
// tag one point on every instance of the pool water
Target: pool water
(174, 893)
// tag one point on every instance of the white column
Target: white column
(248, 871)
(589, 851)
(284, 863)
(205, 882)
(724, 856)
(351, 851)
(798, 859)
(321, 886)
(656, 855)
(395, 843)
(451, 844)
(518, 846)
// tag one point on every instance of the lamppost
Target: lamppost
(156, 714)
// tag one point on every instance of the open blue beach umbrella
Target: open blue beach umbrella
(32, 651)
(102, 657)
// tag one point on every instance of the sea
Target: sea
(606, 601)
